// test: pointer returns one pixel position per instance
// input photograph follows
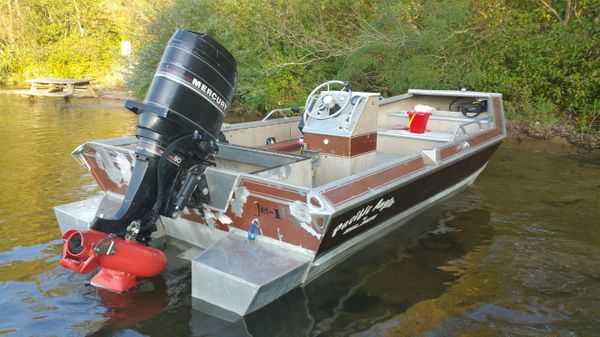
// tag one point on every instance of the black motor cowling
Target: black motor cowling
(178, 126)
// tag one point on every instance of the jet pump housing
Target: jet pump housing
(178, 126)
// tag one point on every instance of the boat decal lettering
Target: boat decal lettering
(176, 73)
(272, 211)
(218, 100)
(363, 216)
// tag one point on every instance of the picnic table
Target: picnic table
(59, 87)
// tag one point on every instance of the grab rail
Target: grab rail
(293, 109)
(477, 121)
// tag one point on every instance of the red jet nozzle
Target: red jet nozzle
(120, 261)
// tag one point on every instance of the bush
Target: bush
(79, 38)
(543, 56)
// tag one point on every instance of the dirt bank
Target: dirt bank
(559, 133)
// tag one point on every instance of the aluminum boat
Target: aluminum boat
(267, 206)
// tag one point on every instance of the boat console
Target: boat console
(342, 126)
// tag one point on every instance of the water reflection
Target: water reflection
(36, 169)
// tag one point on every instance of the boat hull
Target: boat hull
(272, 225)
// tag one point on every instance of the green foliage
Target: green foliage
(282, 47)
(76, 38)
(544, 59)
(547, 68)
(76, 57)
(542, 55)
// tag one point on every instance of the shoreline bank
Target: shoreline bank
(560, 133)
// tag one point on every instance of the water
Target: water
(514, 255)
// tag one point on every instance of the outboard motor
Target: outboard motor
(179, 123)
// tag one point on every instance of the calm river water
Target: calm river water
(516, 254)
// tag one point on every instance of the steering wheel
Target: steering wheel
(319, 107)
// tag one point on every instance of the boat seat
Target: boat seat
(284, 146)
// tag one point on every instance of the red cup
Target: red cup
(418, 123)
